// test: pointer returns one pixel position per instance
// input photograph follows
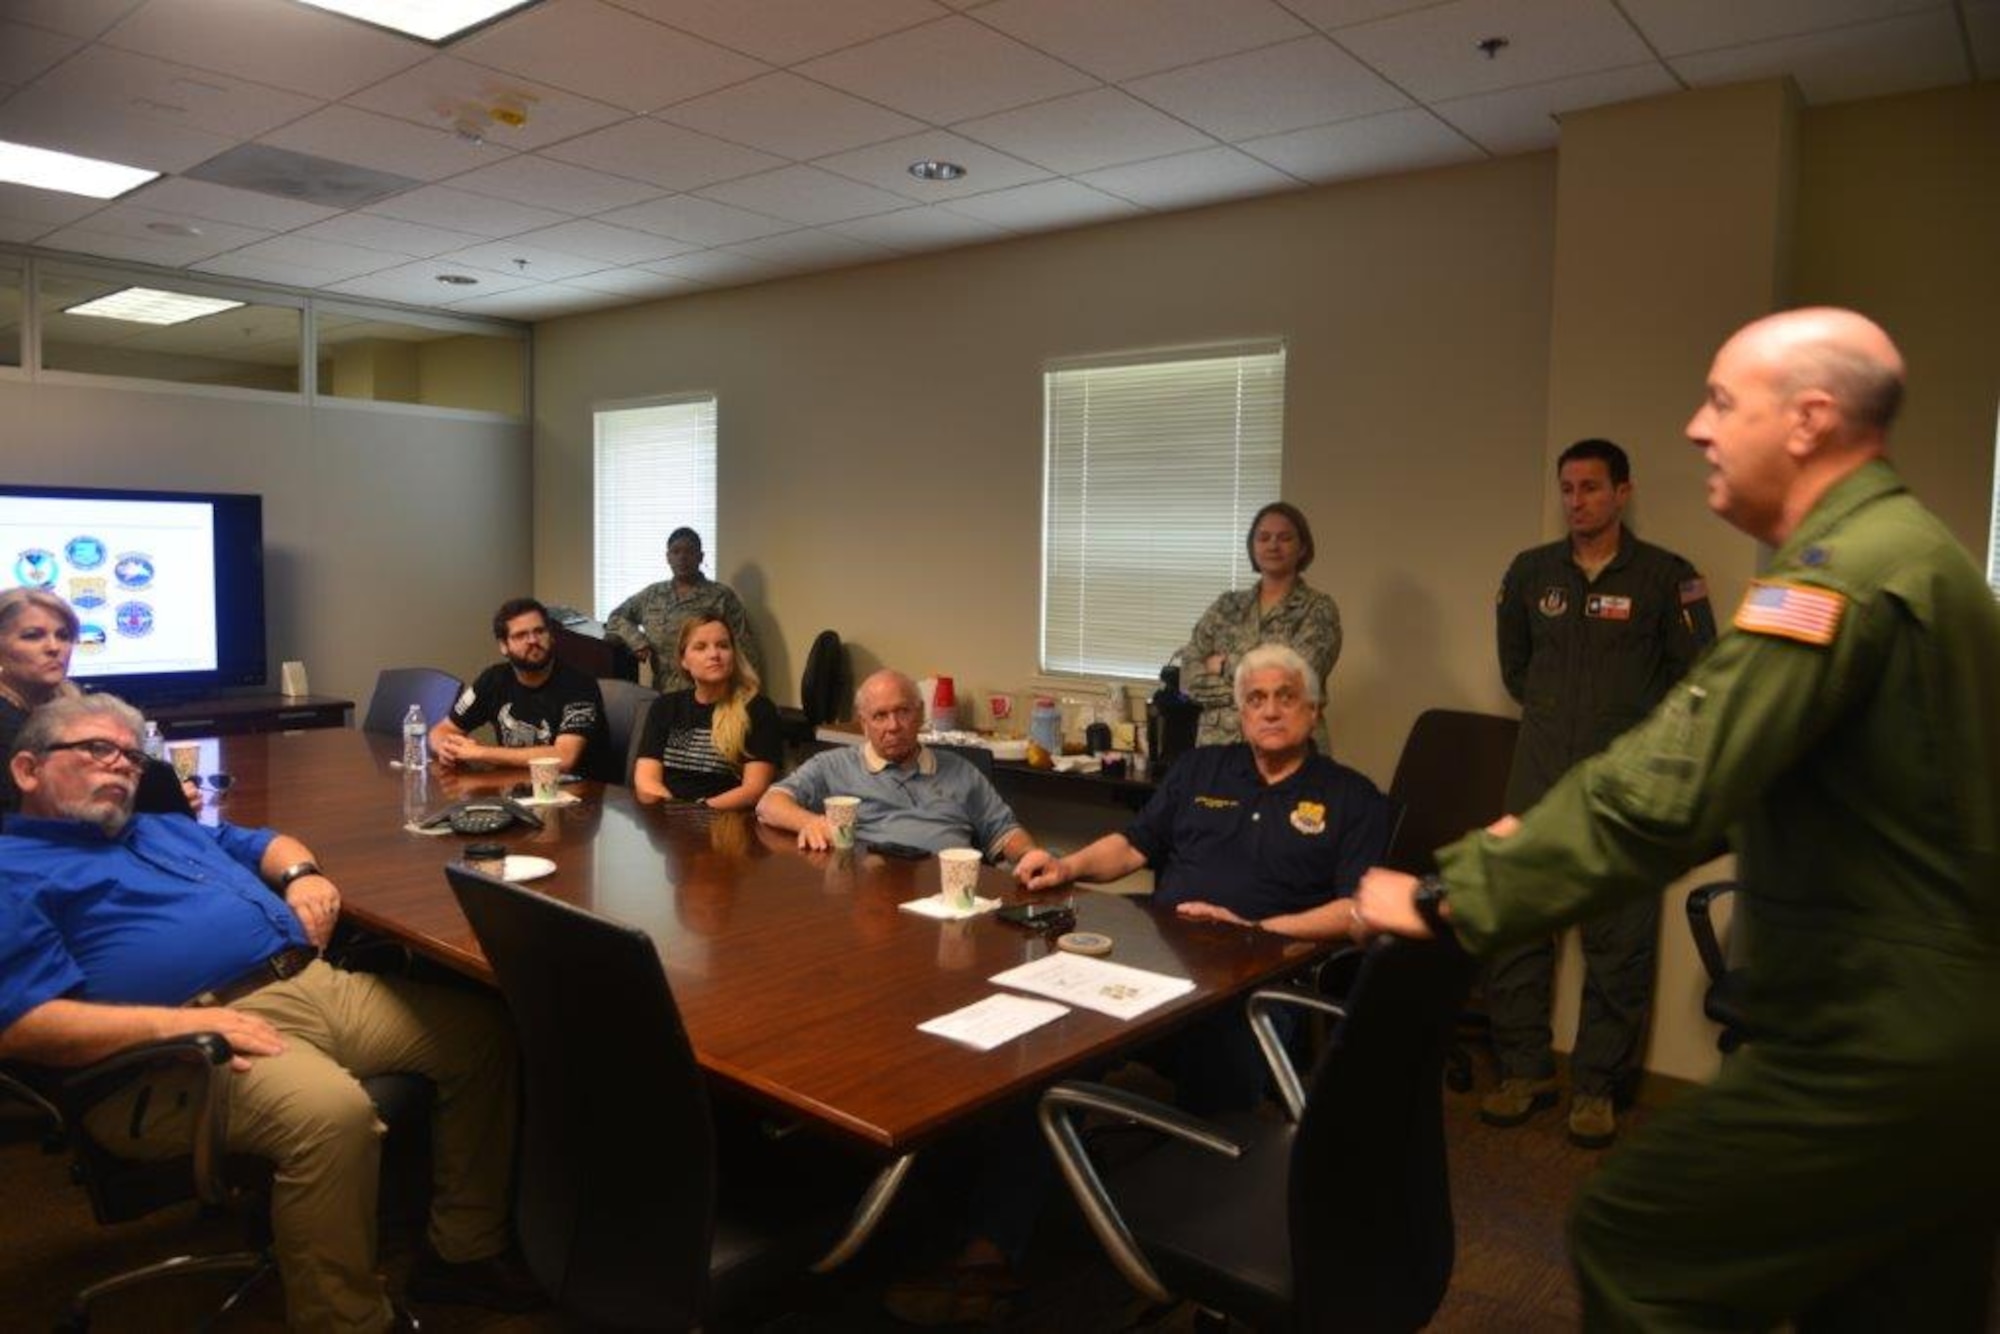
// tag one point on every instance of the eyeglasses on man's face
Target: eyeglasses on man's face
(105, 753)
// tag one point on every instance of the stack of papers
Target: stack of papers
(1108, 988)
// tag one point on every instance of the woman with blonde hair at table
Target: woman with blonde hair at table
(718, 743)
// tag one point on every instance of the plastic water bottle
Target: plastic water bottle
(155, 744)
(416, 740)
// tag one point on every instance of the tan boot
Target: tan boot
(1518, 1099)
(1592, 1122)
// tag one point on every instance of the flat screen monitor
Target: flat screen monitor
(168, 585)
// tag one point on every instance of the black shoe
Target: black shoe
(495, 1282)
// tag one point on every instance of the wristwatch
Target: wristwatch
(297, 871)
(1429, 903)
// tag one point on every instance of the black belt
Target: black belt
(283, 964)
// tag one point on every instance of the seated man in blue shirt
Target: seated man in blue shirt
(910, 794)
(118, 929)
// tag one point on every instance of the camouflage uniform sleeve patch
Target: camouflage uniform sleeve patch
(1791, 611)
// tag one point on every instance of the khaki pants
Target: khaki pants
(304, 1111)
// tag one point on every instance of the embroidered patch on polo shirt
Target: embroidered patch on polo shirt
(1218, 803)
(1607, 607)
(1309, 817)
(1791, 611)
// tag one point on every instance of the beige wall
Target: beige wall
(358, 504)
(1448, 331)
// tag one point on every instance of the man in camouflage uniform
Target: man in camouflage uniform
(650, 620)
(1846, 737)
(1593, 629)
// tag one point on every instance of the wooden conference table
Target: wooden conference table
(800, 981)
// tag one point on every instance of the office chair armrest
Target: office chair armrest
(1057, 1113)
(1263, 1006)
(1701, 924)
(208, 1053)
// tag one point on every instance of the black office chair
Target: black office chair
(824, 687)
(622, 1212)
(397, 688)
(124, 1189)
(1723, 1002)
(1363, 1237)
(1450, 779)
(626, 705)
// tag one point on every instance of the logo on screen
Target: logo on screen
(35, 568)
(87, 591)
(133, 619)
(133, 570)
(86, 553)
(89, 638)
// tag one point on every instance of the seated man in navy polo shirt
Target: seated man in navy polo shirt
(118, 929)
(1254, 834)
(910, 794)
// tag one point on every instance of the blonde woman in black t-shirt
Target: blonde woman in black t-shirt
(719, 743)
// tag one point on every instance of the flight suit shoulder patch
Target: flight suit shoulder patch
(1694, 590)
(1787, 610)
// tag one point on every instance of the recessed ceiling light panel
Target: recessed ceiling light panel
(46, 169)
(430, 20)
(458, 279)
(148, 305)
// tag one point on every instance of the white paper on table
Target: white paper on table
(933, 905)
(1115, 989)
(559, 799)
(984, 1025)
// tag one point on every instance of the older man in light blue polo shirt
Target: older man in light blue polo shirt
(910, 794)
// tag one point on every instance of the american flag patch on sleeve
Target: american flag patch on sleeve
(1791, 611)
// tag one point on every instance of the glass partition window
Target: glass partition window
(155, 329)
(396, 361)
(10, 313)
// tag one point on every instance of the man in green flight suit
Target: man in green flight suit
(1840, 1171)
(1592, 630)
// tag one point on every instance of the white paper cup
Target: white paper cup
(546, 775)
(958, 868)
(840, 814)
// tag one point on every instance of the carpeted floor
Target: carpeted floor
(1509, 1188)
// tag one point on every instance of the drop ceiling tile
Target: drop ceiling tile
(1680, 27)
(887, 166)
(805, 195)
(174, 94)
(1188, 180)
(1123, 39)
(920, 229)
(947, 71)
(460, 210)
(445, 93)
(542, 264)
(1331, 14)
(221, 203)
(1286, 87)
(1982, 21)
(1395, 141)
(1524, 120)
(287, 273)
(595, 50)
(20, 231)
(101, 130)
(793, 117)
(52, 208)
(1434, 53)
(382, 143)
(27, 53)
(1866, 60)
(283, 45)
(78, 18)
(322, 256)
(715, 268)
(786, 31)
(137, 220)
(530, 178)
(541, 301)
(1085, 131)
(418, 284)
(701, 221)
(600, 241)
(1044, 206)
(634, 282)
(810, 250)
(167, 251)
(410, 240)
(668, 156)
